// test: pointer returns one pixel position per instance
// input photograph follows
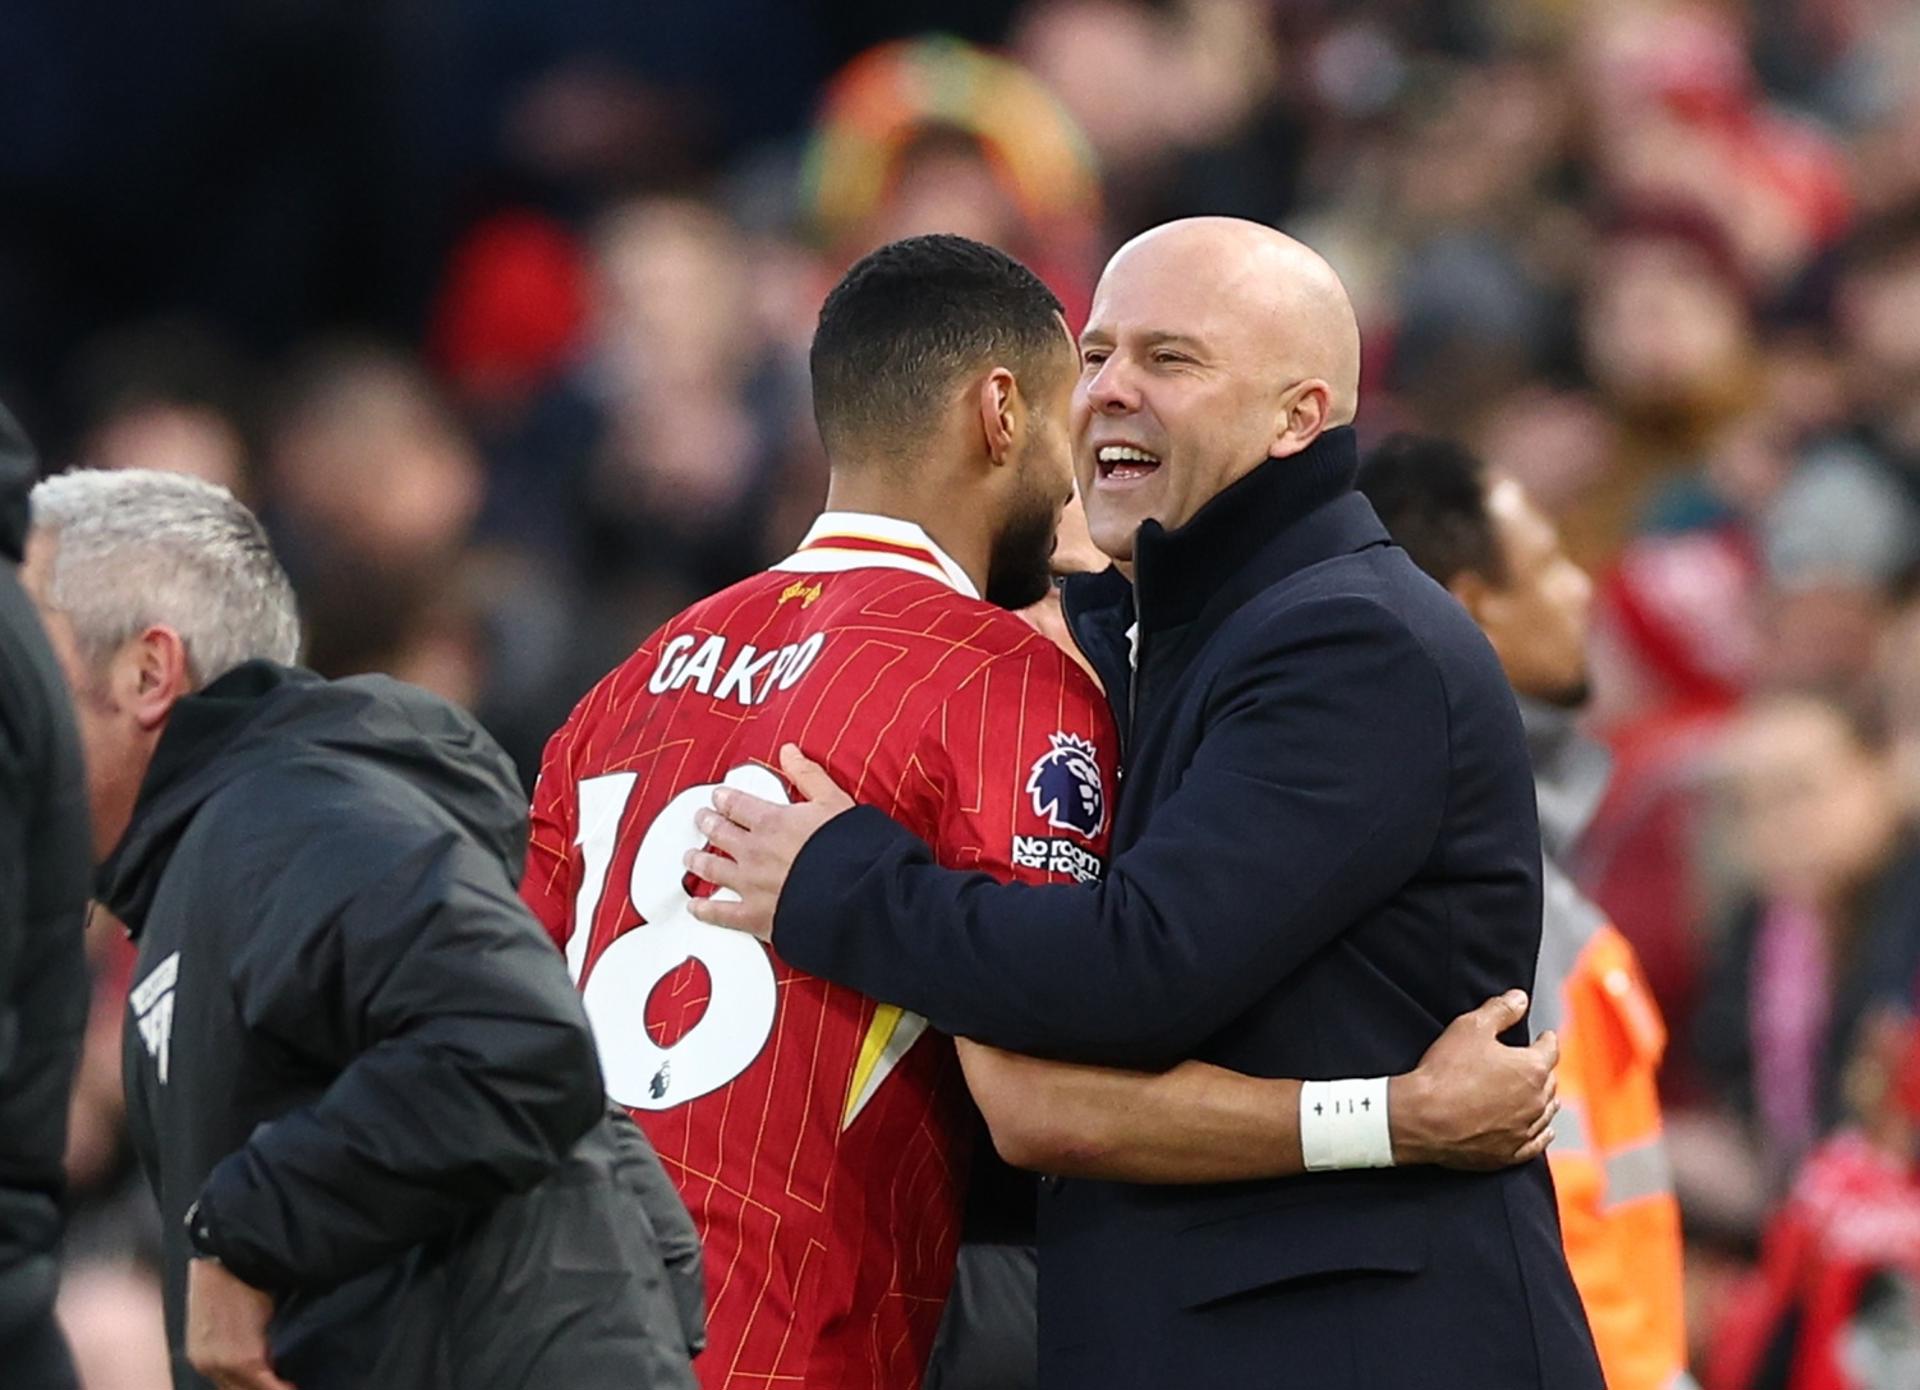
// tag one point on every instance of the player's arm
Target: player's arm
(1473, 1102)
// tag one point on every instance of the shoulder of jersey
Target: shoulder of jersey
(927, 607)
(939, 612)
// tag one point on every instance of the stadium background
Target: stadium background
(498, 310)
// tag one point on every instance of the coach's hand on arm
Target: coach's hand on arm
(1472, 1103)
(758, 842)
(227, 1329)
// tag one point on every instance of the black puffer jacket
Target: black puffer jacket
(355, 1059)
(44, 854)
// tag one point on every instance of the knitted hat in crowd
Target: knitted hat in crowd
(893, 95)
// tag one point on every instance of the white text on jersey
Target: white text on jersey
(747, 674)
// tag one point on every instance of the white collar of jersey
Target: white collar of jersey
(819, 555)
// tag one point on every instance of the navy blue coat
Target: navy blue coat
(1325, 848)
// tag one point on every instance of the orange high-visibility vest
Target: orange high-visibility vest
(1609, 1160)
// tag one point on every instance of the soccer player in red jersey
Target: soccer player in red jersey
(819, 1137)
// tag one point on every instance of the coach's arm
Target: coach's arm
(1473, 1102)
(1316, 791)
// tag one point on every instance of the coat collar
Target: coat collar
(1252, 535)
(841, 541)
(1570, 774)
(1284, 516)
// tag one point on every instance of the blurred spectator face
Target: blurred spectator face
(1805, 388)
(1496, 131)
(589, 122)
(678, 334)
(1537, 618)
(1663, 330)
(1880, 325)
(944, 184)
(1813, 809)
(372, 462)
(1102, 58)
(443, 648)
(1746, 463)
(1887, 158)
(1823, 638)
(166, 394)
(1555, 443)
(674, 293)
(195, 440)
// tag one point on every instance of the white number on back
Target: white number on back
(743, 995)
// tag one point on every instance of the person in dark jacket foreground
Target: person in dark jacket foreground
(357, 1074)
(43, 973)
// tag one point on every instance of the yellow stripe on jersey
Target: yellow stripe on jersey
(888, 1037)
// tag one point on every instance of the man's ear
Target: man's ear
(1002, 414)
(1302, 419)
(154, 672)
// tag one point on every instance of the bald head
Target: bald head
(1213, 345)
(1262, 283)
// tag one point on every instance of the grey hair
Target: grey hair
(135, 548)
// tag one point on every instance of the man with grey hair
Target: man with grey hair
(357, 1074)
(114, 559)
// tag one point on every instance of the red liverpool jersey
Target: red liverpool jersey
(817, 1136)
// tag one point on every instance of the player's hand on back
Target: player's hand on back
(755, 843)
(1474, 1102)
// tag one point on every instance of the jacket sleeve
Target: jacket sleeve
(645, 1179)
(1316, 790)
(462, 1065)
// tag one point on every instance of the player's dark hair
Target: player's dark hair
(907, 322)
(1432, 496)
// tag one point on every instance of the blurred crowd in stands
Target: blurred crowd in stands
(499, 313)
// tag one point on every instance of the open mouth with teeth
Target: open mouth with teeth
(1123, 463)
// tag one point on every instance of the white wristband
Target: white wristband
(1343, 1124)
